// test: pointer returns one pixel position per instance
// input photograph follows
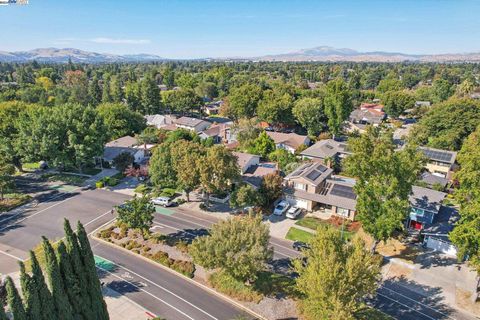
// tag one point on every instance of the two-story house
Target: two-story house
(425, 204)
(312, 187)
(439, 162)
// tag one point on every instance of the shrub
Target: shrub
(161, 257)
(99, 184)
(180, 201)
(113, 182)
(168, 192)
(105, 234)
(142, 188)
(186, 268)
(234, 288)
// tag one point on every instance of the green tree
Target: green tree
(396, 102)
(468, 176)
(263, 145)
(389, 84)
(271, 188)
(218, 170)
(243, 101)
(442, 90)
(123, 161)
(120, 121)
(10, 113)
(30, 295)
(57, 285)
(14, 301)
(244, 196)
(338, 104)
(276, 107)
(99, 308)
(6, 178)
(70, 280)
(161, 169)
(150, 96)
(3, 315)
(238, 246)
(137, 213)
(183, 101)
(309, 112)
(283, 157)
(116, 89)
(106, 95)
(337, 277)
(133, 96)
(48, 311)
(186, 156)
(94, 91)
(384, 181)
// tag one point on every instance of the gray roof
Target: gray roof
(189, 122)
(114, 148)
(313, 172)
(325, 148)
(444, 222)
(159, 120)
(432, 179)
(439, 155)
(426, 199)
(123, 142)
(370, 116)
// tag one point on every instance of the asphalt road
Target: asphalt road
(396, 300)
(157, 290)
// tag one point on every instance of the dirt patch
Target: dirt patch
(464, 301)
(393, 270)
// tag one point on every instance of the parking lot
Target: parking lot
(21, 229)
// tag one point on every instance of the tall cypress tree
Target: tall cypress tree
(62, 305)
(30, 294)
(73, 249)
(48, 311)
(14, 301)
(69, 279)
(3, 315)
(98, 304)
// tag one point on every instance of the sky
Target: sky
(241, 28)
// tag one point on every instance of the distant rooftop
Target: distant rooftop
(439, 155)
(313, 172)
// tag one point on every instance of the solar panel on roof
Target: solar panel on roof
(343, 191)
(321, 168)
(437, 155)
(314, 174)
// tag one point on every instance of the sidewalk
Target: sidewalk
(98, 176)
(120, 307)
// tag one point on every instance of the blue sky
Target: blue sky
(213, 28)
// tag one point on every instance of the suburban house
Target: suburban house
(431, 180)
(366, 114)
(439, 162)
(288, 141)
(326, 149)
(193, 124)
(252, 169)
(126, 144)
(212, 108)
(312, 187)
(220, 133)
(425, 204)
(159, 120)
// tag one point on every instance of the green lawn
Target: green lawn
(295, 234)
(31, 166)
(313, 223)
(65, 178)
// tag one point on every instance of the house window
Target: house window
(343, 212)
(300, 186)
(418, 212)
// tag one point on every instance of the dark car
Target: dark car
(299, 245)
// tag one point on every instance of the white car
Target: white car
(280, 208)
(162, 201)
(293, 212)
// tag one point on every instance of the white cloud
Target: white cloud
(120, 41)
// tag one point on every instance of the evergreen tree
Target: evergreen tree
(94, 91)
(62, 305)
(150, 96)
(116, 89)
(99, 308)
(106, 96)
(14, 301)
(30, 295)
(73, 249)
(3, 315)
(70, 280)
(48, 311)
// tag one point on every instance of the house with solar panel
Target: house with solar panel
(313, 187)
(325, 150)
(439, 162)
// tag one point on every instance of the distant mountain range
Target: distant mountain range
(75, 55)
(323, 53)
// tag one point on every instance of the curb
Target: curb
(204, 287)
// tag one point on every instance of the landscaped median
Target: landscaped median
(347, 227)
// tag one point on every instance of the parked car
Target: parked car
(299, 245)
(162, 201)
(280, 208)
(293, 213)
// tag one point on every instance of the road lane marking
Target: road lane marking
(406, 306)
(415, 301)
(11, 256)
(194, 216)
(282, 246)
(197, 224)
(36, 213)
(145, 291)
(163, 288)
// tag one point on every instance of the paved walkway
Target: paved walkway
(120, 307)
(104, 173)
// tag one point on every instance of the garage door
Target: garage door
(442, 246)
(299, 203)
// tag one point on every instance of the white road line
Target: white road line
(11, 256)
(165, 289)
(194, 216)
(282, 246)
(197, 224)
(36, 213)
(166, 226)
(150, 294)
(408, 307)
(415, 301)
